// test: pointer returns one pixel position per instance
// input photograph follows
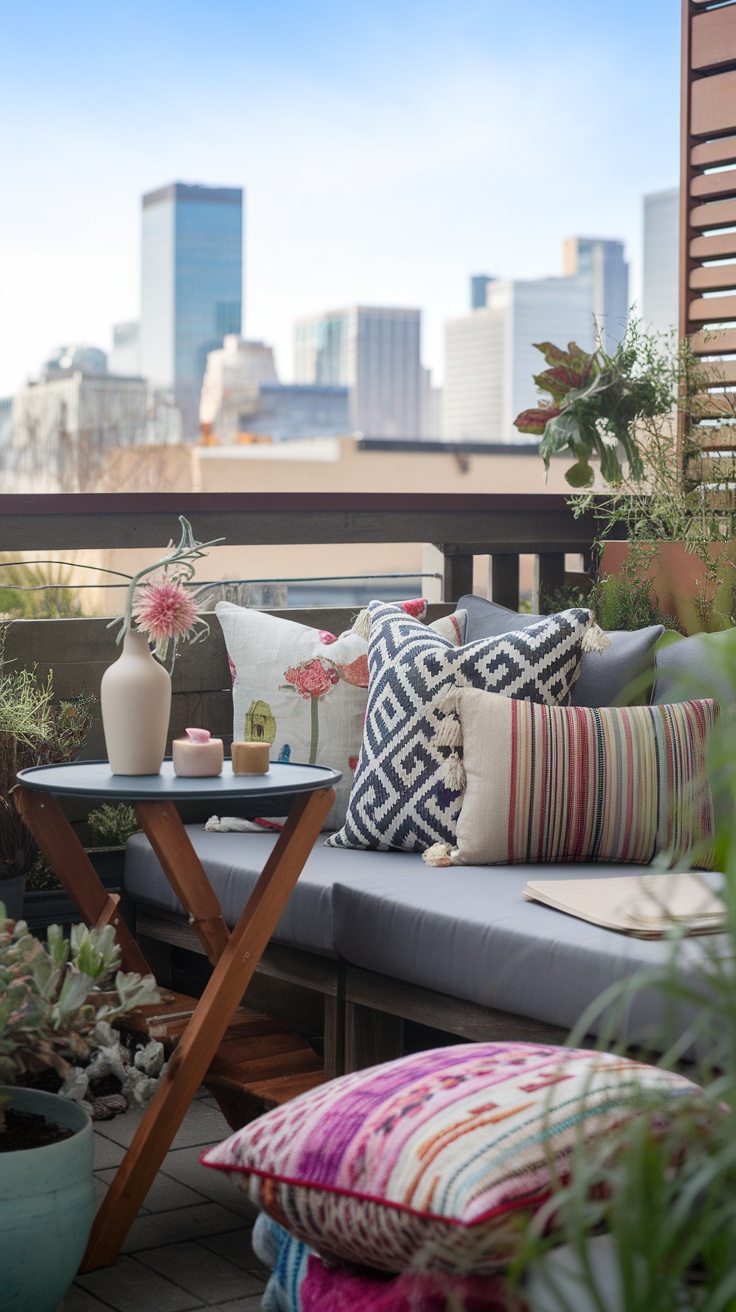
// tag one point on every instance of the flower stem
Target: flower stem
(315, 730)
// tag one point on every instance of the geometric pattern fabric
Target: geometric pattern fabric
(400, 796)
(431, 1161)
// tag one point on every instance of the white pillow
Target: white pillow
(303, 690)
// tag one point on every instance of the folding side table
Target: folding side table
(234, 955)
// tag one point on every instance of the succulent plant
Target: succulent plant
(53, 995)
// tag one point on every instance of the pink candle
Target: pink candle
(198, 755)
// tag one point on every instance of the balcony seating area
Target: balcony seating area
(376, 953)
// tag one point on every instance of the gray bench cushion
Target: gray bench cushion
(468, 932)
(465, 931)
(233, 863)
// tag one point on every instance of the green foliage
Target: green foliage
(663, 1185)
(53, 995)
(36, 590)
(564, 598)
(626, 601)
(112, 825)
(34, 730)
(596, 400)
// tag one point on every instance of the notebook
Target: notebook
(647, 906)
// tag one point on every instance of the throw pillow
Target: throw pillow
(400, 796)
(699, 666)
(434, 1161)
(611, 677)
(301, 1281)
(555, 783)
(303, 690)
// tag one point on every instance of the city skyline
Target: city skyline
(385, 155)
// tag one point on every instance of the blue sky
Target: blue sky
(388, 149)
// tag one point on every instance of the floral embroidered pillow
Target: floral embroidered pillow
(303, 690)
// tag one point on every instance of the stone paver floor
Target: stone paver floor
(190, 1246)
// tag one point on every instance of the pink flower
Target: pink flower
(312, 678)
(356, 673)
(164, 610)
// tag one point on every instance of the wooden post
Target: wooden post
(457, 574)
(505, 579)
(549, 574)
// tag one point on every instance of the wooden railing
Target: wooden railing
(458, 527)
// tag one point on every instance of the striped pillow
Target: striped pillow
(574, 783)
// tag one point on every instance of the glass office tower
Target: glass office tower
(191, 286)
(600, 263)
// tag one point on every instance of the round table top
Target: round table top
(95, 779)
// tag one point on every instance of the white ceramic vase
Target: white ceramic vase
(135, 700)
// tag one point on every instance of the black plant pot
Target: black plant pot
(54, 906)
(11, 895)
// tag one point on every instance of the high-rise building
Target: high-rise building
(125, 356)
(375, 352)
(66, 425)
(600, 263)
(478, 289)
(232, 377)
(490, 359)
(191, 287)
(661, 254)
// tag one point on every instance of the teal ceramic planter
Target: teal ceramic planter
(46, 1207)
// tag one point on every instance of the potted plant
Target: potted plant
(34, 730)
(621, 411)
(109, 828)
(51, 999)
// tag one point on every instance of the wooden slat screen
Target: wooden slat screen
(708, 239)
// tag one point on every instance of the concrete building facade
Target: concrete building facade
(376, 353)
(490, 359)
(659, 309)
(125, 356)
(64, 429)
(233, 375)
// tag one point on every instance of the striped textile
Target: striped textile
(302, 1282)
(434, 1161)
(573, 783)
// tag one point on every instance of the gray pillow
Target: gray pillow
(701, 666)
(605, 676)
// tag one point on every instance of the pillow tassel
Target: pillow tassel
(455, 773)
(594, 639)
(437, 855)
(362, 624)
(449, 733)
(450, 704)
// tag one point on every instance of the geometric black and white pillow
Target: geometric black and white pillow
(400, 796)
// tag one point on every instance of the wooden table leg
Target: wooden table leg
(69, 861)
(191, 1058)
(163, 827)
